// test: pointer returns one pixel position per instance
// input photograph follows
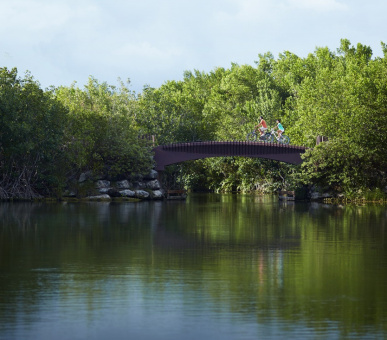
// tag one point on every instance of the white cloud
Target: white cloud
(245, 11)
(146, 50)
(150, 40)
(39, 21)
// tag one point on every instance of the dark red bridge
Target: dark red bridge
(180, 152)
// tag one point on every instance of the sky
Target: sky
(151, 42)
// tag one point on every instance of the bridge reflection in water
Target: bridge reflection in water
(180, 152)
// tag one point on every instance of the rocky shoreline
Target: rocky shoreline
(92, 187)
(95, 188)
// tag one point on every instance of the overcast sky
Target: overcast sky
(152, 41)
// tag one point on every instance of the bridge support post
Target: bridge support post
(321, 139)
(160, 176)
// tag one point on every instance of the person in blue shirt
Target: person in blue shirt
(280, 128)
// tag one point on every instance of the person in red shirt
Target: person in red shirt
(262, 126)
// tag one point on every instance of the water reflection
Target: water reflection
(229, 266)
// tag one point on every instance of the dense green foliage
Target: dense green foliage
(341, 95)
(101, 131)
(31, 135)
(47, 138)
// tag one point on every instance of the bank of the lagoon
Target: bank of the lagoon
(100, 188)
(210, 267)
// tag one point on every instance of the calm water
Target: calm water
(212, 267)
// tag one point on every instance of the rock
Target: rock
(153, 185)
(104, 190)
(100, 184)
(85, 176)
(104, 197)
(141, 194)
(69, 193)
(158, 194)
(153, 174)
(127, 193)
(123, 184)
(139, 185)
(113, 192)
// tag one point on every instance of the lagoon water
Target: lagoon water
(210, 267)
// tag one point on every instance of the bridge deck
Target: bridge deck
(179, 152)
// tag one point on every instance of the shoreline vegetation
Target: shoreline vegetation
(50, 137)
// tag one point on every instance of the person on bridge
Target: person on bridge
(281, 129)
(262, 126)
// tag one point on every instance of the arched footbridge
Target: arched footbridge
(180, 152)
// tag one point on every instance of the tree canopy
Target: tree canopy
(55, 134)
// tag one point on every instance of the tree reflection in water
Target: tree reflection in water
(278, 265)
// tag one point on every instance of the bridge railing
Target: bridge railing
(229, 147)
